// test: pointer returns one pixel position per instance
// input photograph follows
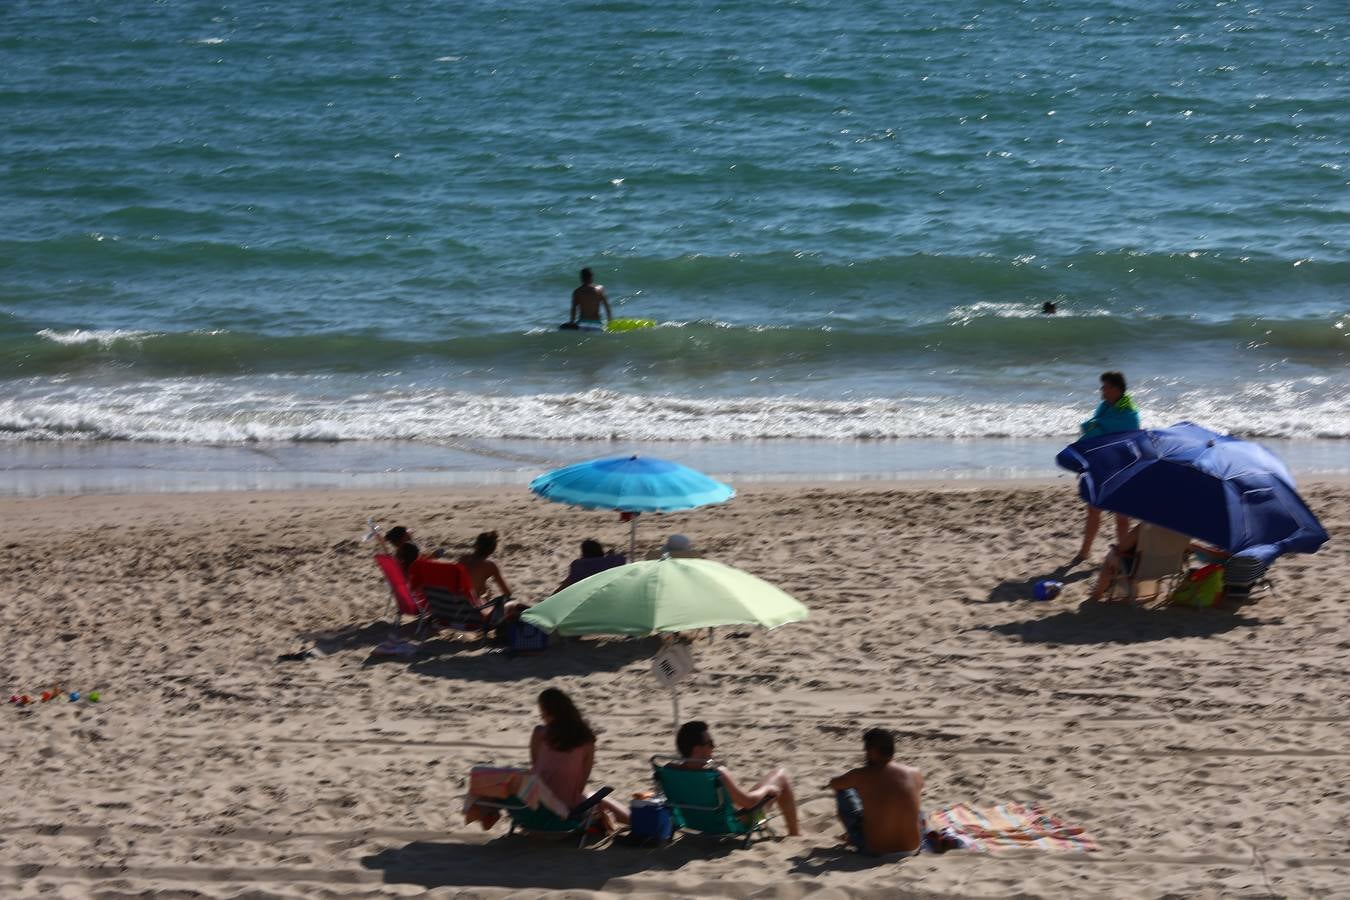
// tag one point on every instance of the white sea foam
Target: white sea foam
(101, 336)
(964, 315)
(244, 410)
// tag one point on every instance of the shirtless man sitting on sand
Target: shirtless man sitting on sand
(696, 746)
(587, 302)
(879, 803)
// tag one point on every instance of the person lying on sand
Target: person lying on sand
(695, 744)
(879, 802)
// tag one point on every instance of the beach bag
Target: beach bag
(650, 821)
(522, 637)
(1201, 588)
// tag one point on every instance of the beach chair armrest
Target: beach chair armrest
(661, 760)
(582, 809)
(499, 804)
(758, 806)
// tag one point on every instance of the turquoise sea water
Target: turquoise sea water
(361, 221)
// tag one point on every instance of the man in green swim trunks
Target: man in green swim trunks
(587, 302)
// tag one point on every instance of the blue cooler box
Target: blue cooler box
(649, 819)
(525, 638)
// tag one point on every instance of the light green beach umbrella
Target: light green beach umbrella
(665, 595)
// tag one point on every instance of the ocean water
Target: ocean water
(257, 223)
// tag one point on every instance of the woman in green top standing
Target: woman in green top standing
(1115, 413)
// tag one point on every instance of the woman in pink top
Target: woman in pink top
(562, 751)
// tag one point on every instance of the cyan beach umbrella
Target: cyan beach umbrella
(1231, 493)
(665, 595)
(632, 484)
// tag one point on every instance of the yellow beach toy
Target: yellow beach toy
(630, 324)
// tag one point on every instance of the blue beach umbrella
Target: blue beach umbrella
(1231, 493)
(632, 484)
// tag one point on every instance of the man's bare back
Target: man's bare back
(588, 300)
(890, 795)
(480, 570)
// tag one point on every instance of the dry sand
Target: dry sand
(1205, 750)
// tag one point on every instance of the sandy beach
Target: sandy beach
(1205, 751)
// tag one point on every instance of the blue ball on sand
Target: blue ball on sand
(1047, 589)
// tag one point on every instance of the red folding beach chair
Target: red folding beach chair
(447, 591)
(405, 600)
(440, 574)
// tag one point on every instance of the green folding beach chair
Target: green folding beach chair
(542, 820)
(698, 801)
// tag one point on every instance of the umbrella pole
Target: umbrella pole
(675, 704)
(632, 537)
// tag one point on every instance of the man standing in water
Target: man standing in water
(587, 302)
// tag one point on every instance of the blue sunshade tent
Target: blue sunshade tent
(1228, 492)
(632, 484)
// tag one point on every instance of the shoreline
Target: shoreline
(37, 469)
(488, 492)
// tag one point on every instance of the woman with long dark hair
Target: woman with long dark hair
(562, 751)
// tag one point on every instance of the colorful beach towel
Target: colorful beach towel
(498, 783)
(989, 829)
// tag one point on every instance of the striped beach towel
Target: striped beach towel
(993, 828)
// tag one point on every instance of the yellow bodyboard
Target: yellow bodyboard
(629, 324)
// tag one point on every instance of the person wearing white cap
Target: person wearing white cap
(677, 546)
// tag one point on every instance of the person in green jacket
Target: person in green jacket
(1115, 413)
